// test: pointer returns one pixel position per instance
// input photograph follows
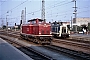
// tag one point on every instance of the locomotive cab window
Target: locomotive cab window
(63, 29)
(33, 22)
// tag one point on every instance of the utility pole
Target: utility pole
(2, 24)
(25, 14)
(75, 13)
(43, 11)
(23, 17)
(71, 22)
(7, 24)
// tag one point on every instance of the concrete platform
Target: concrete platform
(8, 52)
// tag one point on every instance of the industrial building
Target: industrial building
(81, 21)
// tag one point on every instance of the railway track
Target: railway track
(83, 45)
(68, 51)
(72, 52)
(27, 50)
(74, 39)
(77, 46)
(80, 39)
(10, 33)
(38, 55)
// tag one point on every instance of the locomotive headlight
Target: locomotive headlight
(50, 32)
(39, 32)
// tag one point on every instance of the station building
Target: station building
(81, 21)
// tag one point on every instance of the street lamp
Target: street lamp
(6, 24)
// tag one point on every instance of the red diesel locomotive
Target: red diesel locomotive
(37, 31)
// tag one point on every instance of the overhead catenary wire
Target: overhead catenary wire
(30, 13)
(79, 8)
(14, 7)
(57, 5)
(67, 14)
(2, 2)
(54, 6)
(67, 10)
(62, 15)
(50, 8)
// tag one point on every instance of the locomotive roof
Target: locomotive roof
(35, 20)
(56, 23)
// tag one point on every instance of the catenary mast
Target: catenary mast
(43, 10)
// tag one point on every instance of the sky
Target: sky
(55, 10)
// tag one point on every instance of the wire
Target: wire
(58, 5)
(15, 7)
(83, 11)
(33, 12)
(50, 7)
(2, 2)
(19, 5)
(30, 13)
(61, 14)
(68, 13)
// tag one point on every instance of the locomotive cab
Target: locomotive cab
(64, 31)
(59, 30)
(40, 27)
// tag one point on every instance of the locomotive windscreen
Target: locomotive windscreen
(55, 28)
(63, 29)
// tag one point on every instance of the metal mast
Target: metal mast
(23, 17)
(71, 23)
(75, 12)
(25, 14)
(2, 23)
(43, 10)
